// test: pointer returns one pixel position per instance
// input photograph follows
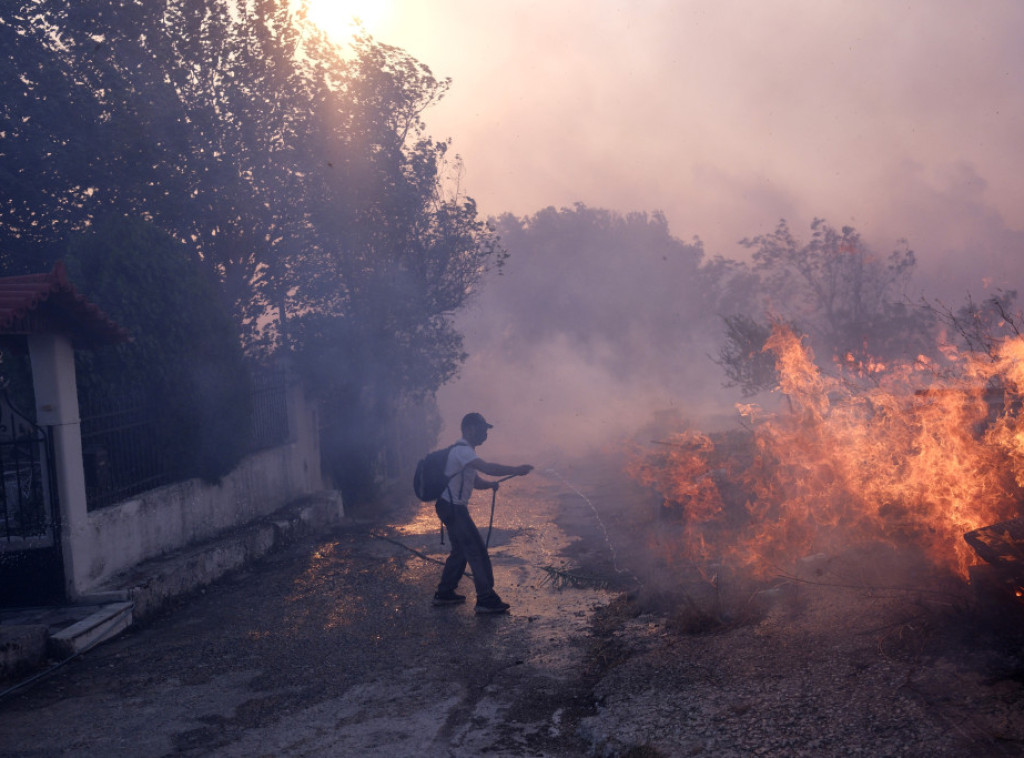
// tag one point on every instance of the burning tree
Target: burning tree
(848, 300)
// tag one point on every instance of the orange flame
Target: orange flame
(913, 459)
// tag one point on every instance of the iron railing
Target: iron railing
(121, 452)
(269, 420)
(26, 485)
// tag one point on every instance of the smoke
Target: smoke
(963, 242)
(558, 401)
(900, 121)
(598, 323)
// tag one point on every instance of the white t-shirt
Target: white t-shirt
(462, 473)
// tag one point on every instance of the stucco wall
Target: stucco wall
(173, 517)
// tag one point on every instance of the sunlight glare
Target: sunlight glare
(342, 18)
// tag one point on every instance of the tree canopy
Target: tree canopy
(299, 172)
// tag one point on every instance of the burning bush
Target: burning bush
(913, 455)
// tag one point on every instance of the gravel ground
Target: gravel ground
(865, 653)
(330, 647)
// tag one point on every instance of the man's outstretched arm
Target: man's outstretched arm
(498, 469)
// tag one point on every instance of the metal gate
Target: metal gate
(31, 566)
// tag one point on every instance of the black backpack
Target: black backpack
(429, 481)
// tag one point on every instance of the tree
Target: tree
(850, 302)
(299, 173)
(743, 357)
(981, 327)
(619, 289)
(849, 299)
(181, 112)
(49, 140)
(367, 309)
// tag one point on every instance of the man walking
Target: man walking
(462, 470)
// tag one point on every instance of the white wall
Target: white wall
(172, 517)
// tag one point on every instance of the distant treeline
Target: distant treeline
(640, 304)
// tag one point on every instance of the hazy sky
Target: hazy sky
(903, 119)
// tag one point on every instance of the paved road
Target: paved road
(331, 647)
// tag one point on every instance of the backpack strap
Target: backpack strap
(448, 485)
(461, 471)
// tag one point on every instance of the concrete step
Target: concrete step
(106, 622)
(31, 636)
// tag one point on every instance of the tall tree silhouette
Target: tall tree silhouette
(299, 171)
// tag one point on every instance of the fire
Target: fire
(899, 454)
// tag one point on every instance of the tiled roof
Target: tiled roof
(38, 303)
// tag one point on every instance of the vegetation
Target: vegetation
(299, 176)
(850, 302)
(222, 172)
(980, 328)
(622, 291)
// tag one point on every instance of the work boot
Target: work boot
(448, 598)
(491, 604)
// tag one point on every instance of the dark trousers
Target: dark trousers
(467, 547)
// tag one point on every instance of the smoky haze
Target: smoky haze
(602, 326)
(899, 119)
(597, 324)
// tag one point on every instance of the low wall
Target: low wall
(170, 518)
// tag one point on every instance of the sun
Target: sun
(341, 18)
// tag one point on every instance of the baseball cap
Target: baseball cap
(475, 419)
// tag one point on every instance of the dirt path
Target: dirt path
(332, 648)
